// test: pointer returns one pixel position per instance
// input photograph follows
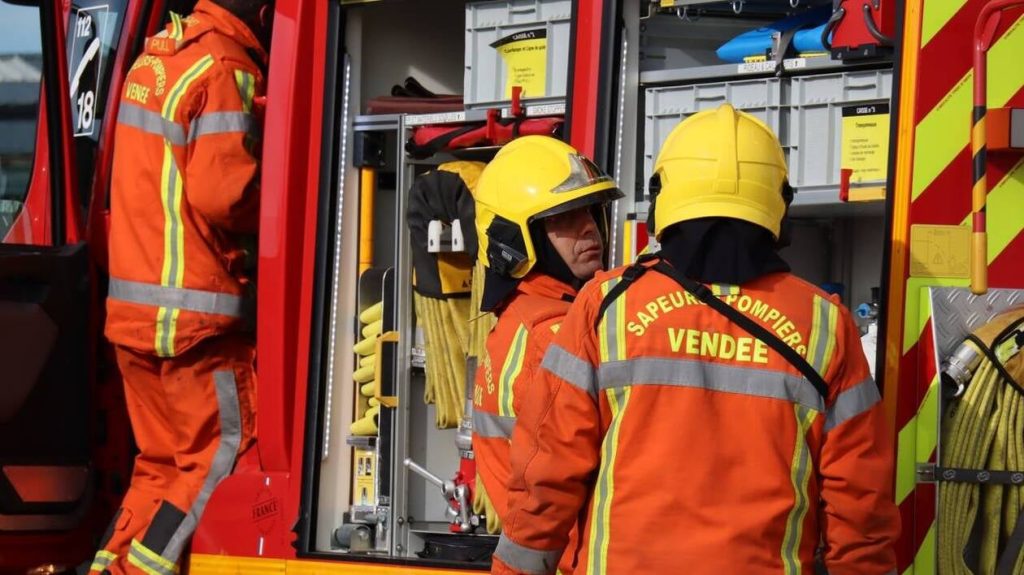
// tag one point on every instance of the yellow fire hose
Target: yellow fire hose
(983, 451)
(367, 408)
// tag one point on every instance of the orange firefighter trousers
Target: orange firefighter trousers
(192, 416)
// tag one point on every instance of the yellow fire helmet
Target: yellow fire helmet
(720, 163)
(531, 178)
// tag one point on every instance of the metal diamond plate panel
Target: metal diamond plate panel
(956, 312)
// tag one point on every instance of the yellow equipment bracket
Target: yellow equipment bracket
(385, 400)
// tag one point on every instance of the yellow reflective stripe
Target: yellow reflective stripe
(102, 560)
(1006, 197)
(604, 492)
(246, 83)
(830, 335)
(171, 193)
(602, 332)
(612, 330)
(800, 473)
(721, 290)
(510, 371)
(812, 347)
(620, 327)
(936, 15)
(917, 441)
(943, 134)
(924, 561)
(149, 560)
(177, 32)
(822, 343)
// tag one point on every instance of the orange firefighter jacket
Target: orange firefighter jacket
(688, 446)
(185, 184)
(508, 373)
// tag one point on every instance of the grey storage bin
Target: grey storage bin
(814, 135)
(489, 21)
(667, 106)
(805, 112)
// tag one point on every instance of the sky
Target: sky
(19, 29)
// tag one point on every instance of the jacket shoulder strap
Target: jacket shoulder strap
(628, 278)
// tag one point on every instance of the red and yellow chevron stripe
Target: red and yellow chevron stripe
(933, 183)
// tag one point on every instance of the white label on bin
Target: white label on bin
(440, 118)
(769, 66)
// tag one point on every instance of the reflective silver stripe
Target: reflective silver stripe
(150, 122)
(137, 556)
(219, 123)
(492, 425)
(710, 376)
(223, 460)
(851, 403)
(525, 559)
(178, 298)
(570, 368)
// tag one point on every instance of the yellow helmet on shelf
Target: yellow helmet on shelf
(531, 178)
(721, 163)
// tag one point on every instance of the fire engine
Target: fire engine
(903, 127)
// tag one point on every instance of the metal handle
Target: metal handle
(422, 472)
(386, 337)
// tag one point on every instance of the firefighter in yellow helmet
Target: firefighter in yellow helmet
(709, 412)
(541, 223)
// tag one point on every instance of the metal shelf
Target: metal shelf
(480, 115)
(754, 69)
(376, 123)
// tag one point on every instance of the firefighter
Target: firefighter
(541, 223)
(185, 207)
(704, 410)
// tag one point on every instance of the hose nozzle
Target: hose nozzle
(960, 367)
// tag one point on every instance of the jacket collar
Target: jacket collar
(230, 25)
(543, 285)
(208, 15)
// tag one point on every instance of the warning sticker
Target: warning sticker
(526, 62)
(940, 251)
(865, 142)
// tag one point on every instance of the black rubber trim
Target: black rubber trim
(991, 356)
(979, 476)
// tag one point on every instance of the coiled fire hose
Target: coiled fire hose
(442, 280)
(981, 473)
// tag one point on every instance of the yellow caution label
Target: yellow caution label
(940, 251)
(865, 142)
(526, 62)
(365, 477)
